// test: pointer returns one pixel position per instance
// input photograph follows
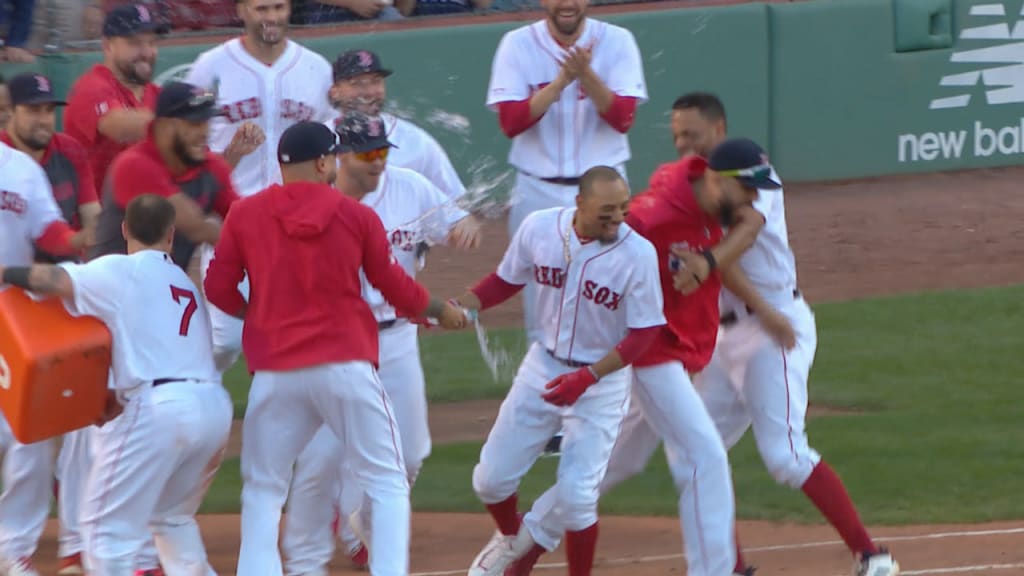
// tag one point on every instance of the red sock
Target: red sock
(827, 492)
(741, 564)
(524, 565)
(506, 515)
(579, 550)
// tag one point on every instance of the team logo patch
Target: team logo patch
(42, 84)
(365, 58)
(374, 128)
(143, 13)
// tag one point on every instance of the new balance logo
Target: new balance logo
(1003, 79)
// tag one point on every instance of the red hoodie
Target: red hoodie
(303, 245)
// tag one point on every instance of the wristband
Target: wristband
(17, 276)
(712, 263)
(593, 373)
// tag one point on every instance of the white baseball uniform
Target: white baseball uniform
(27, 208)
(571, 137)
(275, 97)
(588, 296)
(753, 380)
(412, 210)
(154, 462)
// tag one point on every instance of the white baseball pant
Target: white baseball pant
(226, 329)
(307, 542)
(526, 422)
(665, 406)
(285, 411)
(530, 194)
(153, 465)
(751, 380)
(25, 501)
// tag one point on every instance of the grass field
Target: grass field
(935, 433)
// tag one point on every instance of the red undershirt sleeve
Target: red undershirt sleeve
(621, 113)
(492, 291)
(514, 117)
(636, 342)
(56, 239)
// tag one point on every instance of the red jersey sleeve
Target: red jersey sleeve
(74, 152)
(226, 270)
(408, 296)
(514, 117)
(56, 239)
(133, 175)
(91, 100)
(227, 194)
(621, 113)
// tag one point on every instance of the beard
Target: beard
(181, 152)
(34, 143)
(566, 29)
(131, 72)
(268, 35)
(726, 214)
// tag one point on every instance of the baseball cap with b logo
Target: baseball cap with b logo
(355, 62)
(186, 102)
(305, 141)
(132, 19)
(30, 88)
(744, 160)
(362, 133)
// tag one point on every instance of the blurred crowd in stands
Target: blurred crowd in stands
(28, 27)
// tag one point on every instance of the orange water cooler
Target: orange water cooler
(53, 367)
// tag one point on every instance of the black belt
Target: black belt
(569, 363)
(162, 381)
(386, 324)
(561, 181)
(730, 318)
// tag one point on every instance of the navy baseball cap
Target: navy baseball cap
(355, 62)
(186, 102)
(362, 133)
(30, 88)
(744, 160)
(305, 141)
(132, 19)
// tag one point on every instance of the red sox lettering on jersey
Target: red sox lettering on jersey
(293, 89)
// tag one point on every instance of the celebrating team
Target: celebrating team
(304, 212)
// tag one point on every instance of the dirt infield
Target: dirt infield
(852, 239)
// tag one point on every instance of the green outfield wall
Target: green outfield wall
(835, 89)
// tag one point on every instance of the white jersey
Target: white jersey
(571, 137)
(588, 295)
(27, 206)
(769, 262)
(413, 211)
(292, 90)
(417, 150)
(159, 327)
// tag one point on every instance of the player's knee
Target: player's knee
(491, 489)
(578, 507)
(711, 459)
(786, 467)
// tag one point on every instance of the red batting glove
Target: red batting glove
(567, 388)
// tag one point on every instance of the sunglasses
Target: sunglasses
(373, 155)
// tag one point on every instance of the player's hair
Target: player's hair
(148, 218)
(709, 105)
(598, 174)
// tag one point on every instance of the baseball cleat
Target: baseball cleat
(880, 564)
(501, 553)
(70, 566)
(21, 567)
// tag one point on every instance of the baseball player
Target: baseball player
(30, 219)
(173, 161)
(565, 89)
(167, 419)
(311, 340)
(32, 130)
(412, 210)
(766, 344)
(111, 105)
(265, 83)
(600, 299)
(680, 214)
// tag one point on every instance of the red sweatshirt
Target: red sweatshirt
(303, 245)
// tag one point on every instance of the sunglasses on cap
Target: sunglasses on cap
(755, 173)
(373, 155)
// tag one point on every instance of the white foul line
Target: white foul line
(935, 536)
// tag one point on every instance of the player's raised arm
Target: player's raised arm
(519, 108)
(514, 272)
(44, 279)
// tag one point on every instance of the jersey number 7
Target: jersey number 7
(186, 318)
